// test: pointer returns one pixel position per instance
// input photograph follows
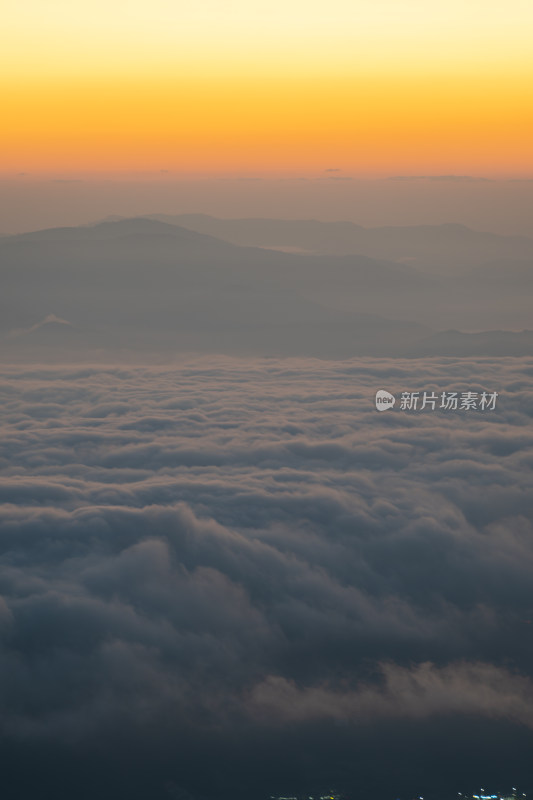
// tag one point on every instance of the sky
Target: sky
(372, 88)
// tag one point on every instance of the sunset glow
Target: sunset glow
(367, 88)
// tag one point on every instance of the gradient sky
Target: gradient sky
(375, 87)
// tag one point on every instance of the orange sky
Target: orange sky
(370, 88)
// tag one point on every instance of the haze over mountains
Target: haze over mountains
(150, 285)
(440, 246)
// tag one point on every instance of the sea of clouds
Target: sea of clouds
(227, 550)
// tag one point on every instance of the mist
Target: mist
(28, 202)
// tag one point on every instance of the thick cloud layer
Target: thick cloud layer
(236, 578)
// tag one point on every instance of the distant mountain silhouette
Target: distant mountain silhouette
(432, 246)
(145, 285)
(115, 229)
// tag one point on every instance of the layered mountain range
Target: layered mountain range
(193, 283)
